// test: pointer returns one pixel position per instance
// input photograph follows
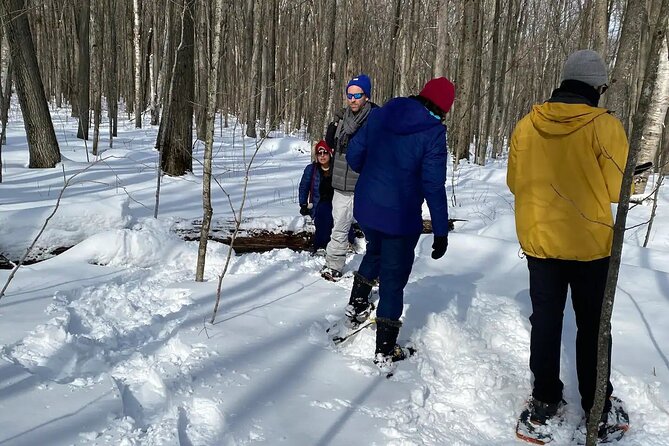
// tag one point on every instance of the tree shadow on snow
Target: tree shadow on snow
(431, 295)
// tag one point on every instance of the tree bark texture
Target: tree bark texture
(137, 52)
(640, 118)
(84, 68)
(652, 131)
(42, 143)
(176, 138)
(213, 74)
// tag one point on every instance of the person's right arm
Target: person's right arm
(305, 184)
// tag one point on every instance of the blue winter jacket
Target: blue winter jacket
(309, 187)
(400, 154)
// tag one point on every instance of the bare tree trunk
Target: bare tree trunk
(264, 77)
(202, 37)
(254, 70)
(440, 67)
(272, 111)
(137, 50)
(481, 146)
(394, 38)
(96, 56)
(176, 139)
(4, 108)
(112, 73)
(600, 31)
(662, 161)
(60, 54)
(84, 75)
(497, 124)
(621, 97)
(640, 118)
(466, 100)
(42, 143)
(327, 50)
(162, 81)
(585, 17)
(655, 121)
(6, 101)
(492, 76)
(209, 142)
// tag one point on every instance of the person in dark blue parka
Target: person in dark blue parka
(400, 154)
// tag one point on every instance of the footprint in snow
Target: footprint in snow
(202, 423)
(144, 396)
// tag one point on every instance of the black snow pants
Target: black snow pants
(549, 279)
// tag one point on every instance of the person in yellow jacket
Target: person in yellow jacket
(566, 163)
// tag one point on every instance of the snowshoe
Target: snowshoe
(330, 274)
(388, 363)
(340, 336)
(359, 307)
(388, 351)
(538, 421)
(612, 426)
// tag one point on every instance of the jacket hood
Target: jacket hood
(404, 116)
(559, 118)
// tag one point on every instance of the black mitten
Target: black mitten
(439, 246)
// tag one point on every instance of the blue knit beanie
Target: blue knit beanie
(363, 82)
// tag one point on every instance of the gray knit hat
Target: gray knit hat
(585, 66)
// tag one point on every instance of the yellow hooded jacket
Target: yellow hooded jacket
(566, 164)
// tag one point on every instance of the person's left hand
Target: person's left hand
(439, 246)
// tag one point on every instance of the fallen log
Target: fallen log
(261, 240)
(248, 239)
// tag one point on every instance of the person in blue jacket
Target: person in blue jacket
(315, 195)
(400, 154)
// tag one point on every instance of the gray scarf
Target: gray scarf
(350, 124)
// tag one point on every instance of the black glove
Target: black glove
(304, 209)
(641, 168)
(439, 246)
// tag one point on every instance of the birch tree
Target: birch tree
(654, 123)
(137, 50)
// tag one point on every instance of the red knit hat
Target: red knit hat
(324, 146)
(440, 91)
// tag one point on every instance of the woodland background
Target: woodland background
(283, 64)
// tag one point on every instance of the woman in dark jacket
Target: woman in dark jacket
(316, 194)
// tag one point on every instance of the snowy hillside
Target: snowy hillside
(109, 344)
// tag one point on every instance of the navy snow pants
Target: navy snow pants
(323, 222)
(390, 258)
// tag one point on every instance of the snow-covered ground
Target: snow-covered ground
(109, 343)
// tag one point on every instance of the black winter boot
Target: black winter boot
(387, 350)
(359, 308)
